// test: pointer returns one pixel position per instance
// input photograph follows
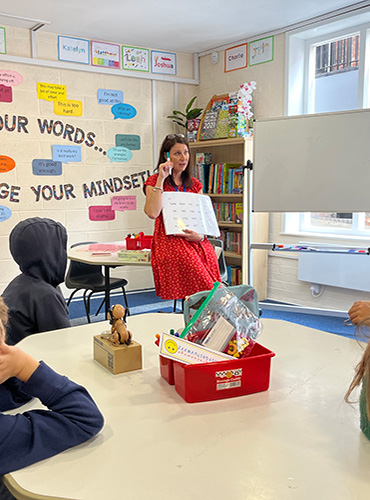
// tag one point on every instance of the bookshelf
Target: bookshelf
(237, 151)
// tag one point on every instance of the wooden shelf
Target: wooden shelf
(227, 198)
(233, 256)
(219, 142)
(238, 151)
(230, 225)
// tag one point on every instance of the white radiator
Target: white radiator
(340, 270)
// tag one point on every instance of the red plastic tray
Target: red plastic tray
(139, 243)
(224, 379)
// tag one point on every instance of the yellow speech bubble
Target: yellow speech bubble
(68, 108)
(51, 91)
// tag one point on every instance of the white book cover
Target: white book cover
(189, 211)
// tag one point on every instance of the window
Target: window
(337, 56)
(328, 71)
(334, 85)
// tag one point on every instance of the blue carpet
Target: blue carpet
(140, 302)
(146, 301)
(329, 324)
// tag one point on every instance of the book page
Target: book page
(189, 211)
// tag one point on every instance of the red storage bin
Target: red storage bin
(144, 241)
(166, 368)
(224, 379)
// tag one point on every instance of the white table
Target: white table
(297, 441)
(82, 254)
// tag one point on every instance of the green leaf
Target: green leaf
(194, 113)
(180, 124)
(174, 117)
(190, 104)
(175, 112)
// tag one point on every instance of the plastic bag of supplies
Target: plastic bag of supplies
(223, 322)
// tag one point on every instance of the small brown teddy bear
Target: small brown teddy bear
(120, 333)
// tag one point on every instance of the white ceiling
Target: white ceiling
(186, 26)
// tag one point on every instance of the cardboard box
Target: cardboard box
(134, 255)
(117, 359)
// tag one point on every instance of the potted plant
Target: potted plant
(188, 120)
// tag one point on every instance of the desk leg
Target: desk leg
(107, 296)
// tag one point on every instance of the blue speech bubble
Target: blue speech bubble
(46, 167)
(119, 154)
(66, 153)
(128, 141)
(124, 111)
(5, 213)
(111, 97)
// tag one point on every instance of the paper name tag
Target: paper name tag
(187, 352)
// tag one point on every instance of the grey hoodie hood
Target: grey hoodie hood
(39, 246)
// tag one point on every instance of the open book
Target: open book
(189, 211)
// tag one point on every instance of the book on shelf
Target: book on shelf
(234, 275)
(232, 242)
(189, 211)
(228, 211)
(225, 178)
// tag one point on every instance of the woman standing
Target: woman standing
(186, 263)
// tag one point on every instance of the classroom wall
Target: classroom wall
(268, 102)
(79, 180)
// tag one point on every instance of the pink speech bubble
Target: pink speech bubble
(99, 213)
(122, 203)
(10, 78)
(6, 94)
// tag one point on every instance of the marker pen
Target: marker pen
(168, 159)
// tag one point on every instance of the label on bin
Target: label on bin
(187, 352)
(229, 379)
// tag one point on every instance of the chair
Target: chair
(81, 276)
(219, 249)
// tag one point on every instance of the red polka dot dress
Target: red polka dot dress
(181, 267)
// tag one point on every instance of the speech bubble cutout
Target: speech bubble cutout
(51, 91)
(119, 155)
(66, 153)
(122, 203)
(5, 213)
(110, 97)
(6, 163)
(6, 94)
(101, 213)
(124, 111)
(10, 78)
(46, 167)
(68, 108)
(128, 141)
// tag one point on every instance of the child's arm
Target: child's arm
(72, 417)
(360, 312)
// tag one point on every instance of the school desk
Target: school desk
(106, 259)
(297, 441)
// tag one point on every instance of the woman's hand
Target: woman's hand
(360, 312)
(15, 363)
(190, 235)
(164, 170)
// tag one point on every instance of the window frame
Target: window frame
(300, 98)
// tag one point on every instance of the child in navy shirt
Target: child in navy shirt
(72, 416)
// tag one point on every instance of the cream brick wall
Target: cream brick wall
(94, 166)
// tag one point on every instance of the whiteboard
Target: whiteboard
(312, 163)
